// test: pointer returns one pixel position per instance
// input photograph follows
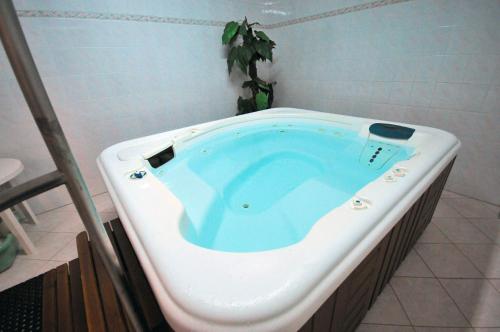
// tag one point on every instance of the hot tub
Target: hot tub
(272, 220)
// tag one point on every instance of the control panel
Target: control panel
(375, 154)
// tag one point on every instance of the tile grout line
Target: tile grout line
(445, 290)
(460, 250)
(456, 247)
(400, 303)
(473, 226)
(492, 285)
(480, 231)
(68, 204)
(471, 261)
(474, 199)
(392, 325)
(470, 197)
(464, 217)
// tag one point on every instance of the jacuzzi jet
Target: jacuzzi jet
(246, 206)
(282, 131)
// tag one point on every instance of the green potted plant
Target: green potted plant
(246, 47)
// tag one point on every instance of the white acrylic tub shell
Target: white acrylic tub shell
(276, 290)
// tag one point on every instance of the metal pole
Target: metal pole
(38, 101)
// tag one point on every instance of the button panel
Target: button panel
(375, 154)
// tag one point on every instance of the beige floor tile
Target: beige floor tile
(413, 266)
(69, 252)
(487, 329)
(471, 208)
(443, 329)
(70, 225)
(460, 230)
(495, 283)
(426, 302)
(383, 328)
(446, 261)
(104, 203)
(50, 244)
(432, 234)
(20, 271)
(490, 227)
(486, 257)
(477, 299)
(386, 310)
(52, 219)
(444, 210)
(35, 236)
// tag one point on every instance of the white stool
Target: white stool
(9, 169)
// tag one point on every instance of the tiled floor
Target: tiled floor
(449, 282)
(54, 238)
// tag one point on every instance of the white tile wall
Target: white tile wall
(429, 62)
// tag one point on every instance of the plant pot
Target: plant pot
(8, 251)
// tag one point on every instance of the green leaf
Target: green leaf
(233, 54)
(242, 30)
(262, 35)
(264, 49)
(261, 100)
(229, 32)
(244, 55)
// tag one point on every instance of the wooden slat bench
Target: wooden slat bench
(79, 296)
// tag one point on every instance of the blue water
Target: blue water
(263, 186)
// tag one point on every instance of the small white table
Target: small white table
(9, 169)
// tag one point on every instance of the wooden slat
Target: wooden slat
(323, 316)
(91, 299)
(77, 306)
(383, 276)
(112, 310)
(379, 261)
(341, 309)
(419, 223)
(107, 227)
(144, 295)
(405, 223)
(64, 318)
(49, 302)
(410, 221)
(109, 231)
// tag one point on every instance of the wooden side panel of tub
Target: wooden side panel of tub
(345, 308)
